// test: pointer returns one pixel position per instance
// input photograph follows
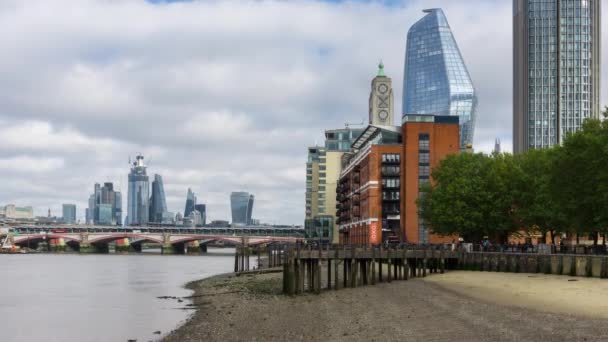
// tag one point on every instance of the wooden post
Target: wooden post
(406, 269)
(373, 265)
(380, 265)
(317, 276)
(236, 260)
(328, 272)
(345, 263)
(336, 263)
(353, 272)
(389, 263)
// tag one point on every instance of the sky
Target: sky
(218, 96)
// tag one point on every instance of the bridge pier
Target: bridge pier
(168, 249)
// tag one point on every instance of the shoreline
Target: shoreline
(251, 307)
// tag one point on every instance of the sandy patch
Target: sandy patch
(549, 293)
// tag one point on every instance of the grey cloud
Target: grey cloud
(221, 96)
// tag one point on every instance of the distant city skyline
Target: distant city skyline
(87, 101)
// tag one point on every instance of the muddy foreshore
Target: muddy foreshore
(252, 308)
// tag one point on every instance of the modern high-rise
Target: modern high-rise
(158, 201)
(138, 206)
(190, 203)
(202, 209)
(69, 213)
(241, 204)
(436, 80)
(556, 69)
(105, 206)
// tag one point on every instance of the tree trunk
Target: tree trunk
(552, 237)
(595, 239)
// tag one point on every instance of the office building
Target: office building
(190, 203)
(241, 204)
(11, 211)
(69, 213)
(138, 206)
(381, 179)
(158, 201)
(105, 206)
(436, 80)
(202, 209)
(556, 69)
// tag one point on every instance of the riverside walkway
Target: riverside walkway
(312, 270)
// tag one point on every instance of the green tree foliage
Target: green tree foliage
(536, 207)
(472, 196)
(580, 178)
(551, 191)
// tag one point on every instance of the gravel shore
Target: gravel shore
(252, 308)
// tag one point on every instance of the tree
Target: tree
(536, 208)
(471, 195)
(580, 178)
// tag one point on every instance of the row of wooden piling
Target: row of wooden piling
(304, 269)
(268, 256)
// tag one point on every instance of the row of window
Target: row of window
(391, 183)
(390, 195)
(391, 158)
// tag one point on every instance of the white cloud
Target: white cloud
(222, 96)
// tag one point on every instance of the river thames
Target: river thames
(71, 297)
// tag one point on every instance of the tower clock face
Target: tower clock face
(382, 88)
(383, 115)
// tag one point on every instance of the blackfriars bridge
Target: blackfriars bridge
(171, 239)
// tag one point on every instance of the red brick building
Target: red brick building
(380, 179)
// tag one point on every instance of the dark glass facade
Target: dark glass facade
(241, 204)
(158, 201)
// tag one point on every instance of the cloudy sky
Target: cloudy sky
(219, 96)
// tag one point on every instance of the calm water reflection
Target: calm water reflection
(46, 297)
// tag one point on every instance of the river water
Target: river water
(65, 297)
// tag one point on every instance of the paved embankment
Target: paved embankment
(251, 308)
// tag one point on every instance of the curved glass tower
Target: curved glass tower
(436, 80)
(139, 197)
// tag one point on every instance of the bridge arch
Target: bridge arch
(113, 237)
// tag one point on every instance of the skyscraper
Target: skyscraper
(241, 204)
(105, 206)
(190, 203)
(556, 69)
(158, 201)
(69, 213)
(436, 80)
(138, 203)
(201, 208)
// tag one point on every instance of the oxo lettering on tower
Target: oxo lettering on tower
(436, 80)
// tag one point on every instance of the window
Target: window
(423, 171)
(308, 178)
(322, 167)
(321, 188)
(321, 195)
(390, 183)
(321, 181)
(391, 158)
(423, 158)
(424, 142)
(322, 175)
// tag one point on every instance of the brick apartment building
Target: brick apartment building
(381, 178)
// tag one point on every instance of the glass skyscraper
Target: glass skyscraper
(436, 80)
(139, 194)
(69, 213)
(190, 203)
(158, 201)
(556, 66)
(241, 204)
